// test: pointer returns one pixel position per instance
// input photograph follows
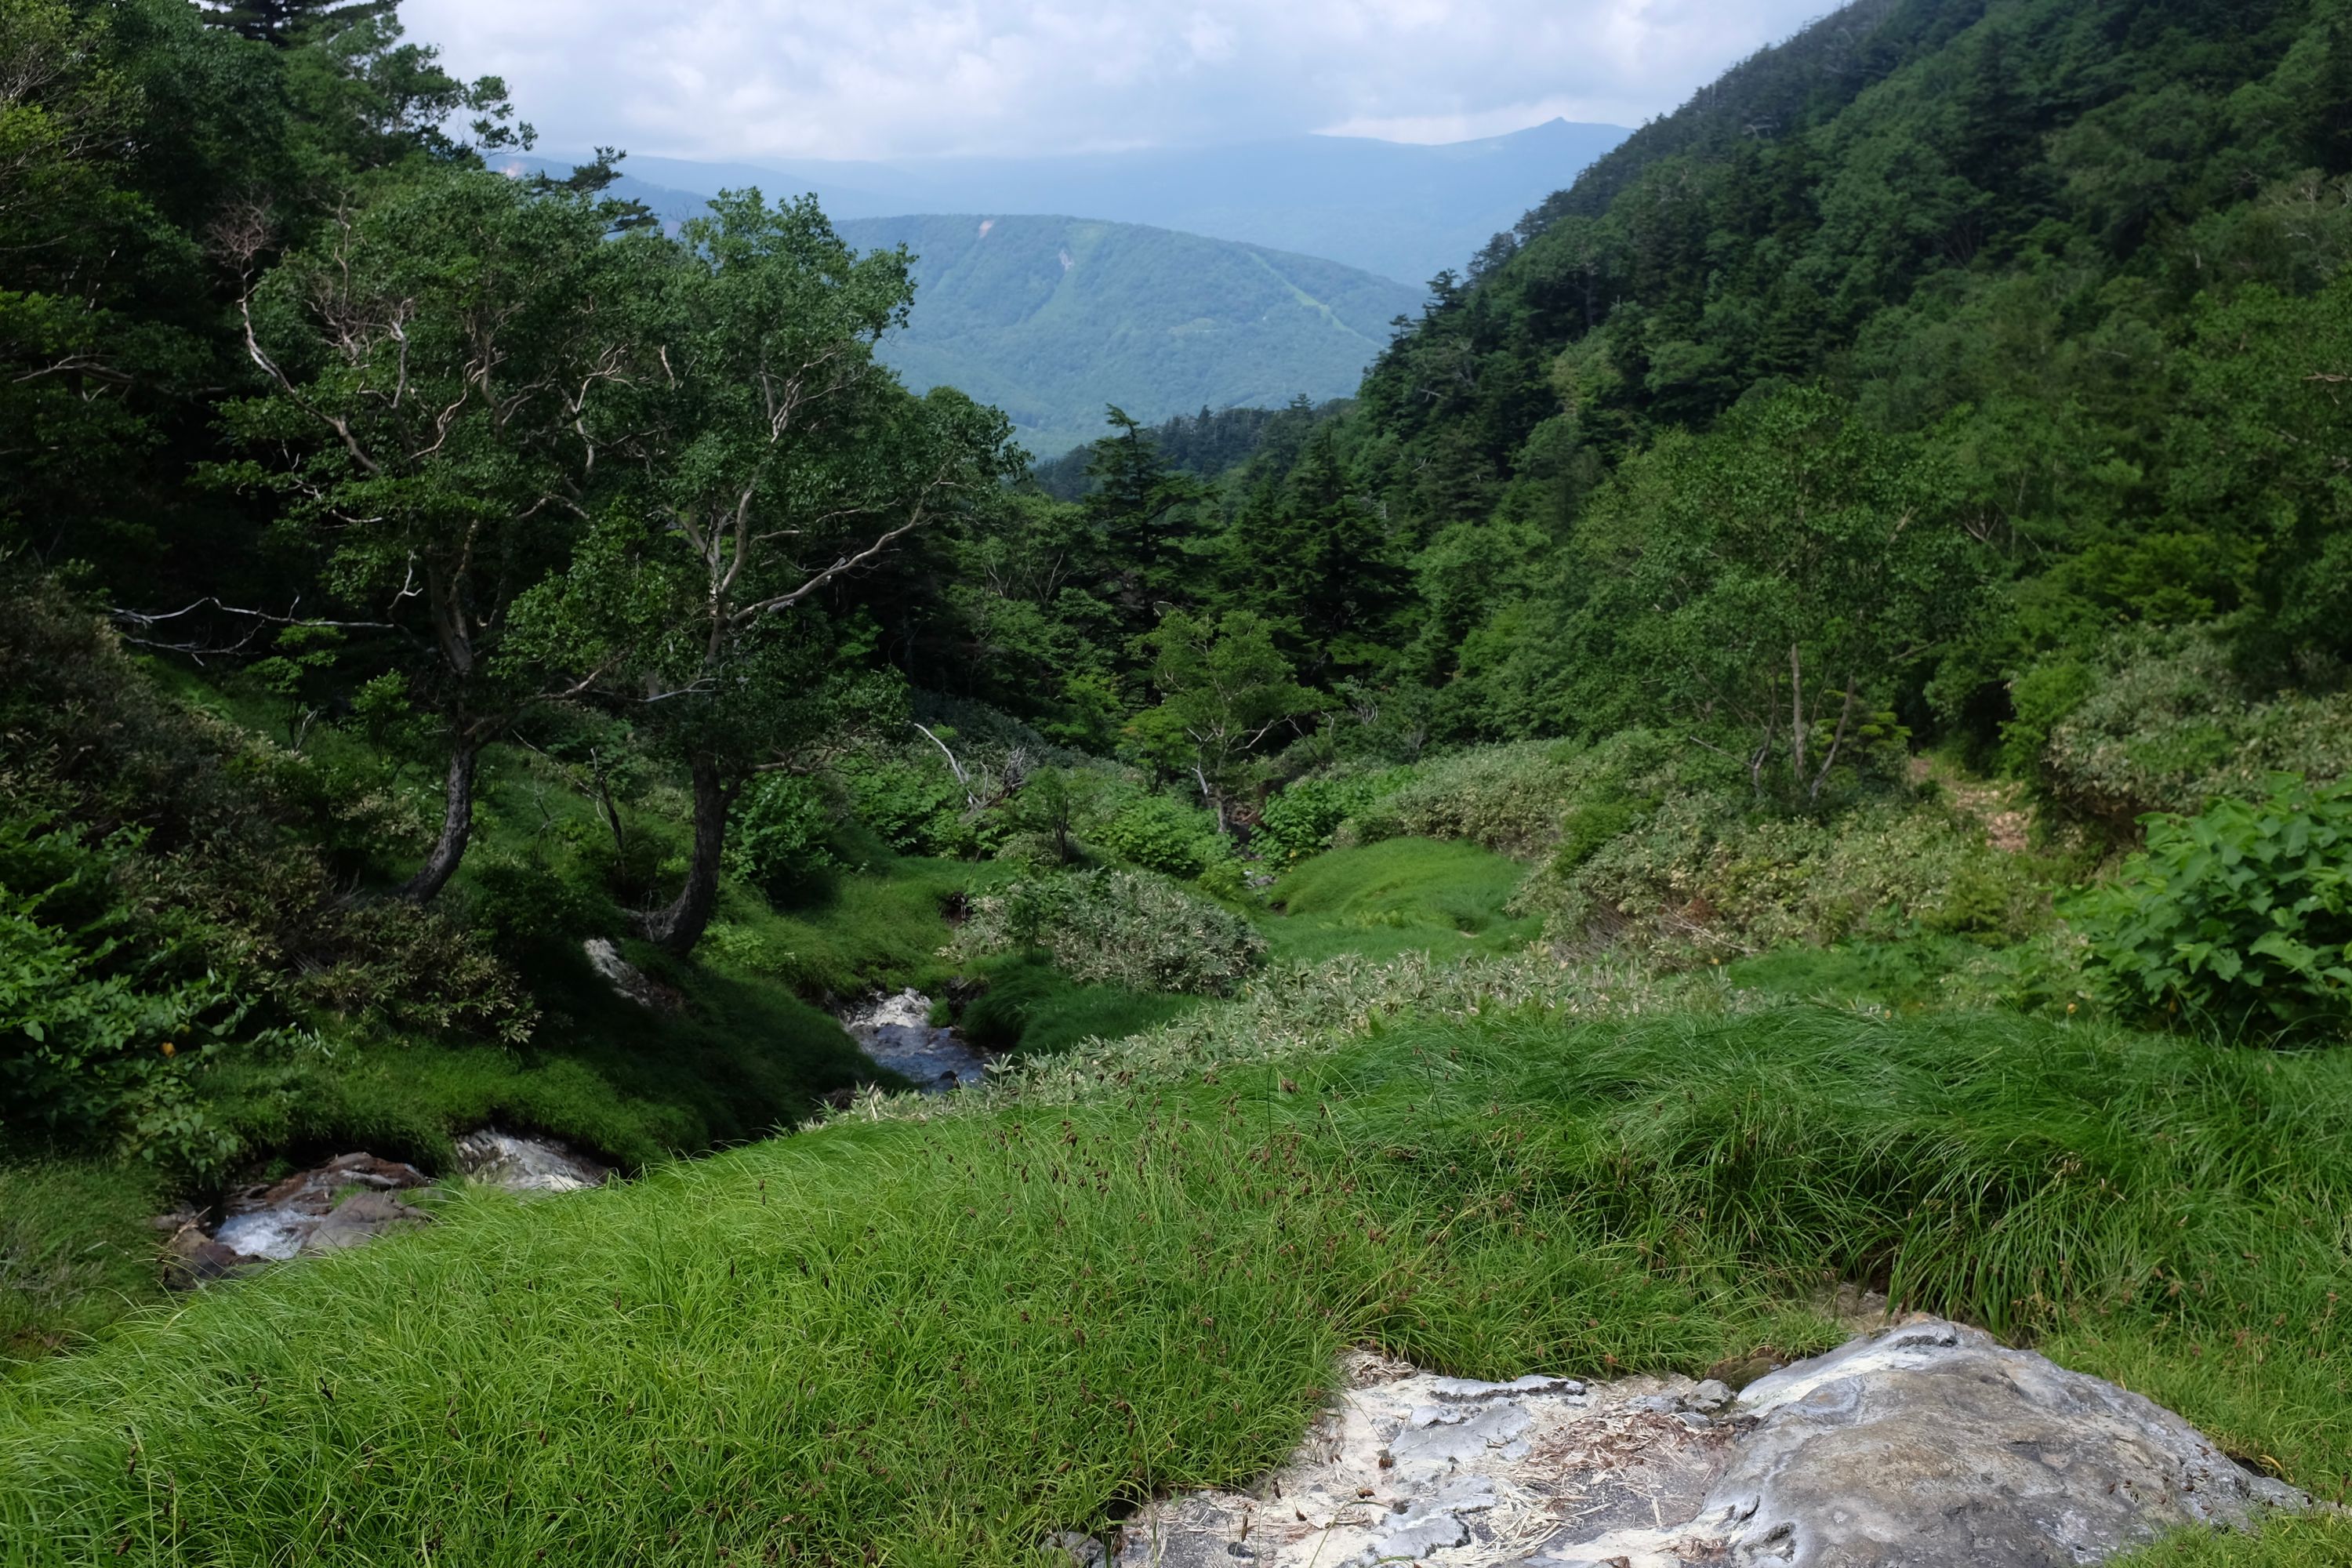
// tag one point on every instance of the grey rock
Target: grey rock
(1443, 1447)
(283, 1219)
(629, 982)
(1927, 1445)
(1707, 1398)
(192, 1259)
(1931, 1445)
(361, 1218)
(1083, 1551)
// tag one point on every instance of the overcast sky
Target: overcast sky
(874, 79)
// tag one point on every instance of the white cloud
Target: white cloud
(862, 78)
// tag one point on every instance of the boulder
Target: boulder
(1933, 1444)
(629, 982)
(1926, 1446)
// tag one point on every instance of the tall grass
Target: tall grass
(941, 1340)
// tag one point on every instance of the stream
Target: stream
(353, 1198)
(899, 1034)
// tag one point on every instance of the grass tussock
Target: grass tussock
(1377, 900)
(945, 1338)
(76, 1250)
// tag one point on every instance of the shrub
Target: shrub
(2168, 726)
(1702, 874)
(1301, 820)
(2042, 697)
(1512, 798)
(913, 803)
(223, 870)
(2240, 917)
(1585, 828)
(1117, 928)
(99, 1059)
(777, 841)
(1159, 835)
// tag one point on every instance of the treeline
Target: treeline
(1207, 445)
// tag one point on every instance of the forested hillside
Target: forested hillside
(2058, 284)
(1053, 319)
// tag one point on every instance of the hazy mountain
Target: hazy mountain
(1051, 318)
(1397, 209)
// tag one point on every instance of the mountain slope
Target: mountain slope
(2074, 270)
(1401, 210)
(1051, 318)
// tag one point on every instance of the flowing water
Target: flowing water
(899, 1034)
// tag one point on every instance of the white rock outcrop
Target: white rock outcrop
(1926, 1446)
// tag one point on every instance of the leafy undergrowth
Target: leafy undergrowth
(939, 1339)
(1400, 895)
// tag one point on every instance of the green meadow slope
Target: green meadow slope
(942, 1337)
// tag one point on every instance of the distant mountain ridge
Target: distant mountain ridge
(1401, 210)
(1051, 318)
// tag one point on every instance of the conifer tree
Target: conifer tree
(286, 23)
(1143, 514)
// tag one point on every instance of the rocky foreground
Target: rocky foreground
(1925, 1446)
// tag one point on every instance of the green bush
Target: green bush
(1302, 819)
(1704, 874)
(2240, 917)
(913, 803)
(778, 838)
(2042, 697)
(1117, 928)
(96, 1059)
(1512, 798)
(1585, 828)
(2170, 726)
(245, 853)
(1159, 835)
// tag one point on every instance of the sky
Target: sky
(883, 79)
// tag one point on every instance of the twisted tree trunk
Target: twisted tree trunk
(678, 928)
(456, 823)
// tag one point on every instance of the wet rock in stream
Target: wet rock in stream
(526, 1164)
(352, 1199)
